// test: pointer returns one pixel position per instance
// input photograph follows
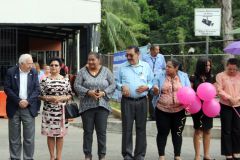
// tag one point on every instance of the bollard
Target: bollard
(3, 98)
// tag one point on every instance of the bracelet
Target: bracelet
(46, 98)
(104, 94)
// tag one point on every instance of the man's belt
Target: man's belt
(135, 99)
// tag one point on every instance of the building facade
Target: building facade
(45, 29)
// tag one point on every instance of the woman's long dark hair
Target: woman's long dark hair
(201, 67)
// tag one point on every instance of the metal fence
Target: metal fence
(188, 61)
(8, 50)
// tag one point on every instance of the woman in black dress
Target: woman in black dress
(202, 123)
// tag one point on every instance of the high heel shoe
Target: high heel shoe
(88, 157)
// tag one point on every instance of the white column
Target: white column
(64, 50)
(78, 50)
(95, 38)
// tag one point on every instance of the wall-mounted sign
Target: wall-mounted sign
(207, 21)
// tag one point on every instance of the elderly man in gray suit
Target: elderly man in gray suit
(22, 89)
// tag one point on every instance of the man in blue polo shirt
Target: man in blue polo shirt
(157, 63)
(134, 80)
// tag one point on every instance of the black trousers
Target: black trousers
(97, 118)
(134, 110)
(151, 109)
(166, 122)
(230, 131)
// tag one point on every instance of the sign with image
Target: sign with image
(207, 21)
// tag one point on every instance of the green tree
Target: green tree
(177, 24)
(121, 25)
(236, 17)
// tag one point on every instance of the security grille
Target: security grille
(8, 50)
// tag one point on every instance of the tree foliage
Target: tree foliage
(121, 25)
(127, 22)
(236, 17)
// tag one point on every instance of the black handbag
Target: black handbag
(71, 110)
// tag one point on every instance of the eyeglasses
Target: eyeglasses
(129, 55)
(55, 65)
(232, 69)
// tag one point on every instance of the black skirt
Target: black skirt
(201, 121)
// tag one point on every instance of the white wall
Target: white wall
(50, 11)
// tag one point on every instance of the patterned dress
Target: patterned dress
(54, 123)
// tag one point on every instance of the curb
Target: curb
(152, 130)
(116, 113)
(115, 126)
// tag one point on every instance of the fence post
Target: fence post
(108, 60)
(207, 45)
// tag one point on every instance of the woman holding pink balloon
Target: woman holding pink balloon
(202, 123)
(170, 115)
(228, 87)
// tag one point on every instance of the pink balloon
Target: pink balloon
(206, 91)
(186, 95)
(195, 106)
(211, 108)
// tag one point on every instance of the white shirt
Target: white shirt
(23, 84)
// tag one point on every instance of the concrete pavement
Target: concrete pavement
(73, 144)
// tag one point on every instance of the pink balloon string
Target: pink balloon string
(187, 109)
(236, 112)
(201, 121)
(181, 126)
